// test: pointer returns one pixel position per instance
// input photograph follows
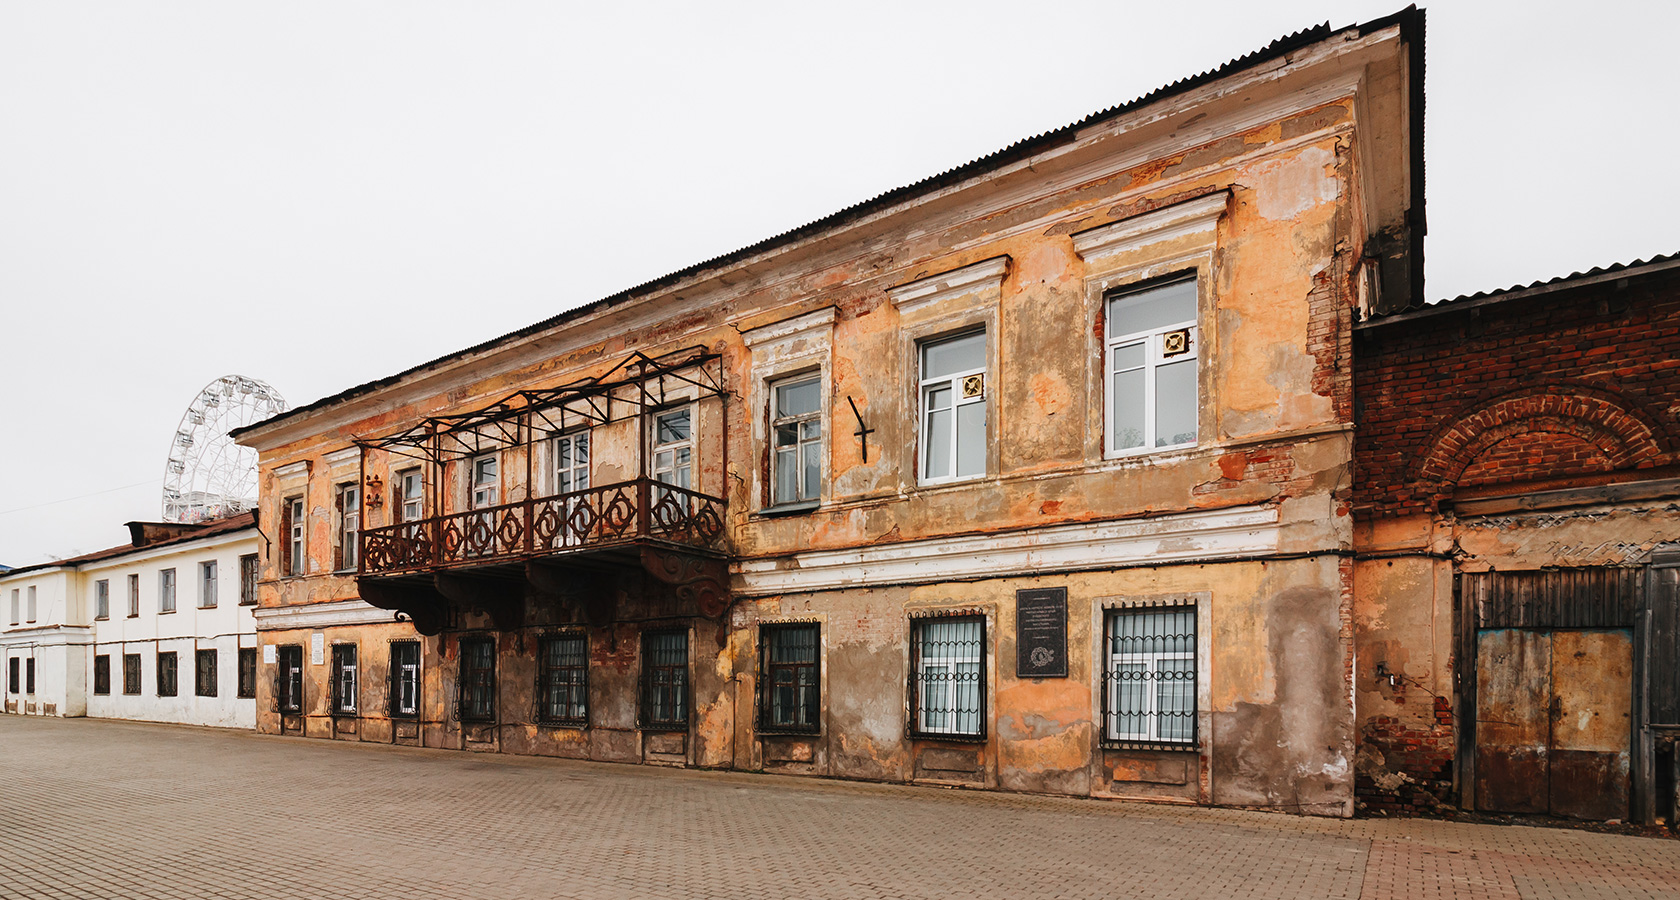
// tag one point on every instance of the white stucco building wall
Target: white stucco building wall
(43, 643)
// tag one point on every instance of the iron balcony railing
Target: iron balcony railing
(592, 518)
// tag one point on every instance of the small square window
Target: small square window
(789, 679)
(948, 676)
(665, 680)
(564, 679)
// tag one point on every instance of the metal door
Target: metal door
(1553, 728)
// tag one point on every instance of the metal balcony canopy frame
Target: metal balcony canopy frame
(637, 384)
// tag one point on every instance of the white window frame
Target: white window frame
(102, 599)
(1152, 341)
(297, 537)
(349, 525)
(802, 447)
(207, 584)
(926, 386)
(1152, 666)
(482, 494)
(668, 474)
(948, 663)
(167, 583)
(407, 679)
(569, 474)
(346, 679)
(411, 507)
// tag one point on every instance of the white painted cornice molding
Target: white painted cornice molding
(971, 279)
(292, 470)
(1223, 534)
(321, 615)
(1175, 221)
(339, 457)
(788, 329)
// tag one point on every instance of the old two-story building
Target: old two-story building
(1032, 475)
(1517, 507)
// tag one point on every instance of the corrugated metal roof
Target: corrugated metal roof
(1519, 291)
(230, 524)
(1410, 19)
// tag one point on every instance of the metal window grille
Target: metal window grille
(29, 675)
(207, 584)
(478, 680)
(102, 599)
(948, 676)
(288, 689)
(131, 673)
(247, 673)
(405, 678)
(1149, 676)
(665, 680)
(168, 665)
(248, 580)
(102, 674)
(564, 679)
(204, 673)
(789, 679)
(344, 678)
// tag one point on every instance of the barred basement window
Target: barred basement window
(29, 675)
(344, 679)
(405, 678)
(204, 671)
(12, 674)
(1149, 676)
(102, 674)
(563, 679)
(247, 673)
(477, 701)
(665, 680)
(948, 676)
(288, 679)
(789, 679)
(168, 666)
(131, 673)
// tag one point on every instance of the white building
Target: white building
(157, 630)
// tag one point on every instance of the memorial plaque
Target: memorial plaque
(1041, 633)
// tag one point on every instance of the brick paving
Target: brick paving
(102, 809)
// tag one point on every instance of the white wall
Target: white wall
(55, 640)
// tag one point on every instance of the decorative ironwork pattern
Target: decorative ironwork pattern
(593, 517)
(1149, 677)
(948, 677)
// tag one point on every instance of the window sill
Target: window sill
(345, 714)
(947, 482)
(166, 612)
(132, 616)
(350, 571)
(1136, 452)
(787, 509)
(663, 728)
(789, 733)
(211, 606)
(247, 603)
(102, 618)
(1171, 746)
(952, 738)
(573, 725)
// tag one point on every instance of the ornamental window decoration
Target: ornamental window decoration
(1150, 676)
(948, 676)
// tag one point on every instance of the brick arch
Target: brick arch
(1626, 439)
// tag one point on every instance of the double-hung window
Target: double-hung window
(133, 596)
(564, 678)
(349, 525)
(665, 680)
(571, 474)
(168, 668)
(288, 679)
(485, 490)
(207, 584)
(673, 448)
(204, 673)
(102, 674)
(166, 592)
(344, 679)
(1153, 344)
(789, 679)
(102, 602)
(411, 504)
(297, 528)
(1149, 675)
(948, 676)
(405, 678)
(953, 408)
(248, 580)
(796, 441)
(478, 680)
(131, 673)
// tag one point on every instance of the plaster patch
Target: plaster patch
(1289, 187)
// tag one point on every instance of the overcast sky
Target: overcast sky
(320, 194)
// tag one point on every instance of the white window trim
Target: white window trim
(789, 350)
(1202, 602)
(495, 489)
(349, 499)
(297, 538)
(654, 446)
(1152, 362)
(955, 381)
(169, 588)
(209, 576)
(819, 415)
(402, 499)
(555, 470)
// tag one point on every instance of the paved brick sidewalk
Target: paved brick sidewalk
(101, 809)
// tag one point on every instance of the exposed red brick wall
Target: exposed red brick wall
(1417, 762)
(1516, 391)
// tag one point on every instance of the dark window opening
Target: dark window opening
(789, 679)
(247, 673)
(478, 680)
(204, 673)
(12, 675)
(564, 679)
(167, 669)
(248, 580)
(288, 686)
(344, 679)
(405, 678)
(948, 677)
(102, 674)
(131, 673)
(29, 676)
(665, 680)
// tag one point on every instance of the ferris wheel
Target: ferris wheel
(208, 476)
